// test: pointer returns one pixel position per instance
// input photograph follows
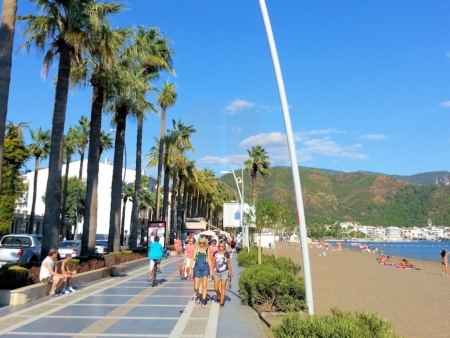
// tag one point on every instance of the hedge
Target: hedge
(338, 324)
(268, 288)
(247, 259)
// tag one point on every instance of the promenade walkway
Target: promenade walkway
(129, 307)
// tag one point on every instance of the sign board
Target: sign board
(232, 214)
(156, 228)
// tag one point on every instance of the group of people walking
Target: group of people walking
(203, 262)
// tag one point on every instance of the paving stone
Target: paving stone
(195, 326)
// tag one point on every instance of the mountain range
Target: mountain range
(366, 197)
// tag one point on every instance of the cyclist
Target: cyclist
(155, 254)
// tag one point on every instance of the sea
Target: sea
(423, 250)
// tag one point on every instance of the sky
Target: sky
(367, 82)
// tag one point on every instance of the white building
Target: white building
(104, 194)
(393, 233)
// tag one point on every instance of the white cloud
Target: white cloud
(445, 104)
(374, 137)
(236, 161)
(239, 105)
(265, 140)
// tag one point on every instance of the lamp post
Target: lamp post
(241, 206)
(292, 155)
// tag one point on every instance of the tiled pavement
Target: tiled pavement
(129, 307)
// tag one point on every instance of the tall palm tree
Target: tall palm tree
(65, 27)
(258, 162)
(106, 44)
(39, 149)
(127, 194)
(177, 142)
(128, 97)
(166, 99)
(81, 143)
(69, 148)
(7, 26)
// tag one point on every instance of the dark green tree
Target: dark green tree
(16, 153)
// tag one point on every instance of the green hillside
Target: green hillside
(366, 198)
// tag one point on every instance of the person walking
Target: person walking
(444, 256)
(189, 254)
(178, 245)
(200, 270)
(155, 255)
(221, 272)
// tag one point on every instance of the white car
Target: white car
(101, 246)
(69, 247)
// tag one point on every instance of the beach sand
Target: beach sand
(416, 302)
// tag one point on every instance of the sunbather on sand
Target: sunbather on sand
(385, 260)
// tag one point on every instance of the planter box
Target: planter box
(32, 292)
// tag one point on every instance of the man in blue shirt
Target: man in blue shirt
(155, 253)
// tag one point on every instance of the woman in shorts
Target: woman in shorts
(221, 272)
(200, 270)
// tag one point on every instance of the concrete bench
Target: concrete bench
(39, 290)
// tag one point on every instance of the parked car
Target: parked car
(69, 247)
(20, 248)
(101, 246)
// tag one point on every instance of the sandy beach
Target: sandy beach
(416, 302)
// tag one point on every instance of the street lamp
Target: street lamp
(292, 155)
(240, 180)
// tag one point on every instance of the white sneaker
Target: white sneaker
(64, 291)
(71, 289)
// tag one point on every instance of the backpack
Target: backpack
(233, 243)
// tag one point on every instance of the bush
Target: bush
(338, 324)
(247, 259)
(267, 288)
(13, 277)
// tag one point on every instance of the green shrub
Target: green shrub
(338, 324)
(13, 277)
(267, 288)
(246, 259)
(122, 253)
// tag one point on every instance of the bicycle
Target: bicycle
(155, 272)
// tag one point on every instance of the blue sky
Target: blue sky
(367, 82)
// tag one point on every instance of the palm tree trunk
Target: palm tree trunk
(137, 187)
(173, 209)
(62, 229)
(78, 197)
(166, 201)
(116, 185)
(90, 212)
(189, 204)
(33, 203)
(160, 162)
(53, 192)
(122, 226)
(8, 23)
(179, 206)
(184, 212)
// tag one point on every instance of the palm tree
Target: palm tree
(69, 148)
(258, 162)
(64, 26)
(128, 97)
(39, 149)
(127, 194)
(6, 46)
(106, 44)
(81, 143)
(166, 99)
(106, 141)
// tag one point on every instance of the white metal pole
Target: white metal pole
(293, 156)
